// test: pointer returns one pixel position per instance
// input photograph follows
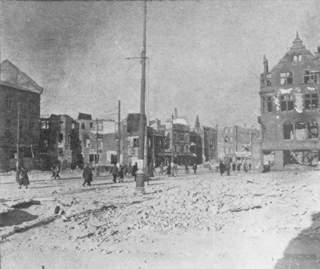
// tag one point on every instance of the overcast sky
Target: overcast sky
(205, 57)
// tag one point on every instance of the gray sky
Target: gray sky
(205, 56)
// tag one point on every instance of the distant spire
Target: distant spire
(197, 124)
(297, 43)
(265, 65)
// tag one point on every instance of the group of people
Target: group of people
(228, 164)
(117, 171)
(172, 168)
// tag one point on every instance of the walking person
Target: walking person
(186, 168)
(23, 176)
(134, 171)
(194, 167)
(228, 166)
(87, 175)
(121, 173)
(114, 173)
(221, 167)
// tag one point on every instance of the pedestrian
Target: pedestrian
(56, 170)
(161, 168)
(221, 167)
(239, 165)
(121, 173)
(195, 168)
(23, 176)
(228, 166)
(186, 168)
(134, 171)
(114, 172)
(234, 166)
(87, 175)
(245, 166)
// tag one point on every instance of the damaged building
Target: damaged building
(290, 114)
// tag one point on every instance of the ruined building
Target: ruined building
(290, 114)
(19, 116)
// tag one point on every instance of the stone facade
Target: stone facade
(18, 90)
(290, 114)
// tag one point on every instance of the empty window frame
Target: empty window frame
(311, 77)
(268, 79)
(301, 130)
(286, 78)
(288, 130)
(286, 102)
(267, 104)
(313, 130)
(9, 102)
(311, 101)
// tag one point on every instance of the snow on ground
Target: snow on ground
(205, 221)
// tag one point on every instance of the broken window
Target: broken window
(9, 102)
(286, 78)
(311, 101)
(311, 77)
(313, 131)
(297, 58)
(301, 130)
(83, 126)
(60, 138)
(286, 102)
(136, 142)
(288, 130)
(268, 79)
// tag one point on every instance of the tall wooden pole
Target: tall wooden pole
(18, 141)
(142, 127)
(119, 131)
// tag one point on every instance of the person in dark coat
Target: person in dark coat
(87, 175)
(114, 172)
(23, 176)
(121, 173)
(134, 171)
(221, 167)
(228, 166)
(194, 167)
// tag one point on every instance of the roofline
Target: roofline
(4, 83)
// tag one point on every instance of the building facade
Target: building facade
(290, 114)
(19, 106)
(59, 141)
(210, 143)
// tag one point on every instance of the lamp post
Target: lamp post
(142, 124)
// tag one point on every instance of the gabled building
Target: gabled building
(290, 112)
(19, 105)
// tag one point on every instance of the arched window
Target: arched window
(301, 130)
(313, 130)
(287, 130)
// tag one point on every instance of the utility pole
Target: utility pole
(172, 147)
(119, 131)
(141, 166)
(97, 145)
(18, 141)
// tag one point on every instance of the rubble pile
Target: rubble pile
(174, 208)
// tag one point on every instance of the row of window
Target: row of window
(23, 124)
(300, 130)
(30, 105)
(287, 102)
(286, 78)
